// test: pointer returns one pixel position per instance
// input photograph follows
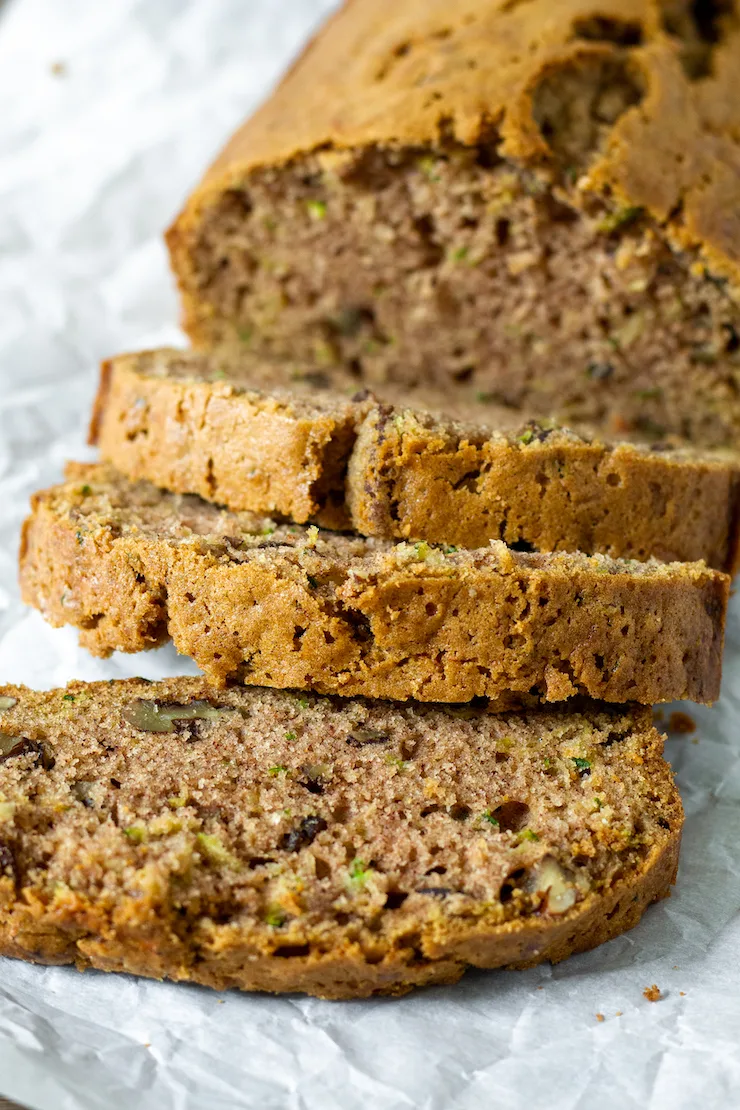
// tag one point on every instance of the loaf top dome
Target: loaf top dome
(636, 99)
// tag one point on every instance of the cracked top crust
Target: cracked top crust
(635, 99)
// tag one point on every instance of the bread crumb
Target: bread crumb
(652, 994)
(599, 1017)
(618, 1013)
(58, 69)
(681, 722)
(682, 993)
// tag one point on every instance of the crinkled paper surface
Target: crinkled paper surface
(111, 109)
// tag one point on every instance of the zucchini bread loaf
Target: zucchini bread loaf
(252, 435)
(538, 199)
(279, 842)
(293, 606)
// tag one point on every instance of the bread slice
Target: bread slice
(272, 841)
(252, 435)
(535, 198)
(293, 606)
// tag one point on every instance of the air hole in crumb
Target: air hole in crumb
(512, 816)
(430, 608)
(613, 480)
(425, 228)
(410, 940)
(289, 951)
(359, 624)
(459, 812)
(601, 28)
(468, 481)
(409, 747)
(323, 870)
(613, 738)
(428, 810)
(259, 861)
(512, 882)
(395, 899)
(700, 25)
(237, 205)
(732, 341)
(487, 157)
(503, 228)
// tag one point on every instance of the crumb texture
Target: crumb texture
(534, 200)
(293, 606)
(269, 840)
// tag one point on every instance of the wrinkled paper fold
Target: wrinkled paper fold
(110, 113)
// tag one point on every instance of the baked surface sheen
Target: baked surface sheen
(287, 605)
(274, 841)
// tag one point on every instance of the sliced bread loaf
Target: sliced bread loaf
(251, 435)
(269, 841)
(535, 198)
(293, 606)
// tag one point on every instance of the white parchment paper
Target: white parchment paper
(110, 111)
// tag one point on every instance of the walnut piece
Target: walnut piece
(11, 746)
(154, 716)
(550, 880)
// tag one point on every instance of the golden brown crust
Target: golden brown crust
(413, 72)
(303, 608)
(176, 420)
(75, 934)
(412, 478)
(200, 425)
(101, 866)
